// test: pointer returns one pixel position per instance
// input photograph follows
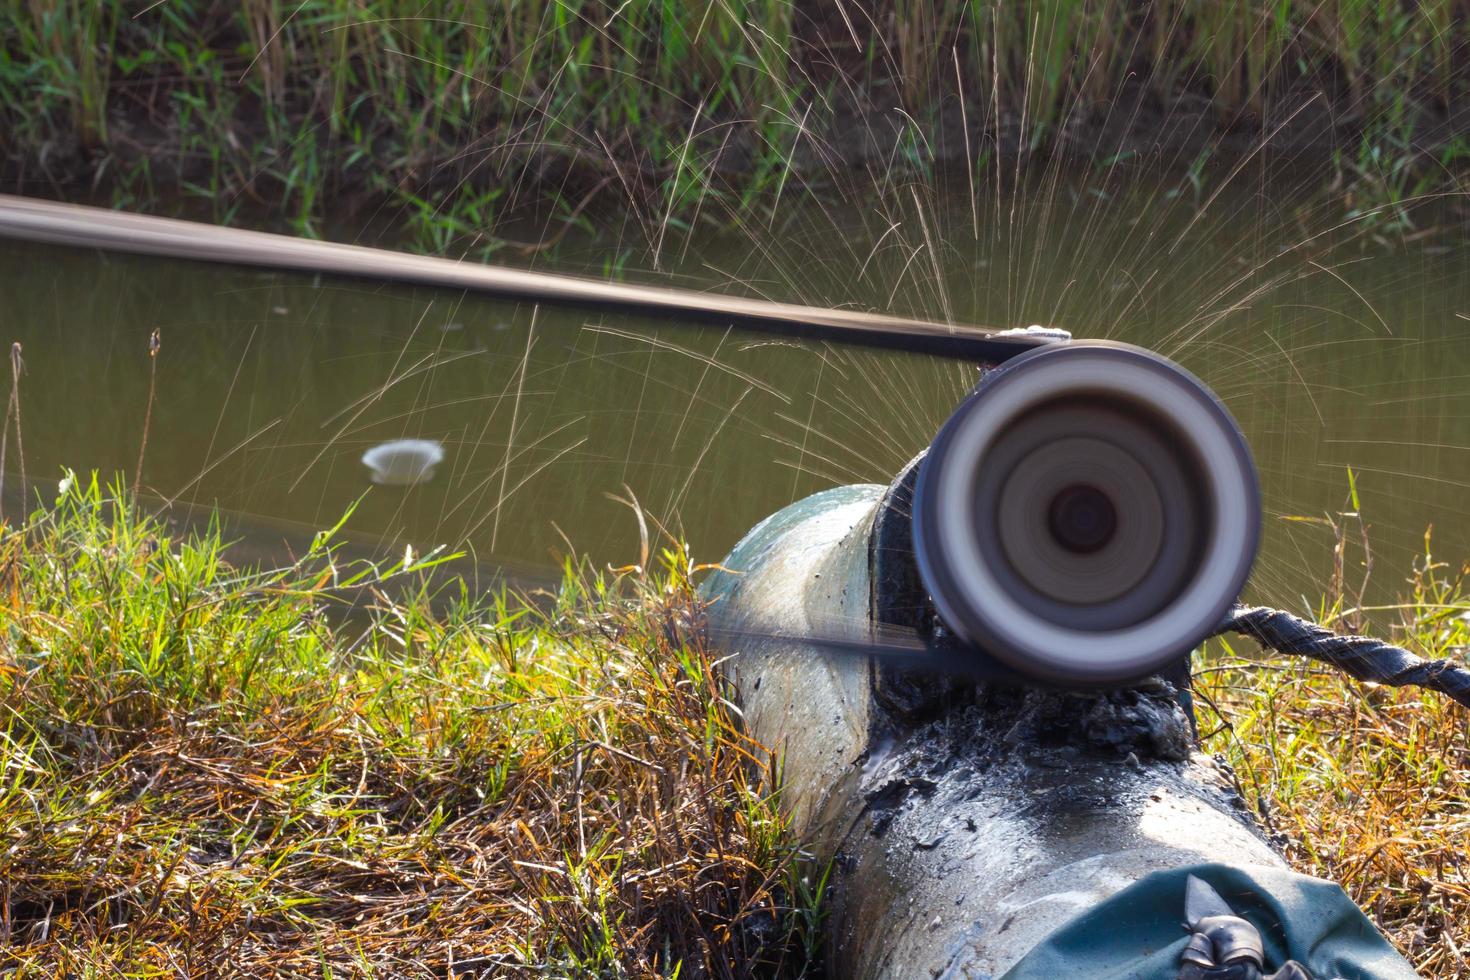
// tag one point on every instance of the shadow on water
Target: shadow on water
(272, 387)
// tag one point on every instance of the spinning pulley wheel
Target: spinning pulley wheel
(1087, 515)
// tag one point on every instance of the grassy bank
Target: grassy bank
(464, 118)
(1366, 786)
(205, 775)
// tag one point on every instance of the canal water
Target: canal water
(1334, 349)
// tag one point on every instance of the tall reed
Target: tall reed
(154, 343)
(664, 102)
(12, 411)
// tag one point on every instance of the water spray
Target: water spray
(1098, 577)
(1085, 518)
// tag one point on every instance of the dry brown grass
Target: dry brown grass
(204, 776)
(1367, 786)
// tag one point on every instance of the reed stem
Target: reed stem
(12, 410)
(154, 343)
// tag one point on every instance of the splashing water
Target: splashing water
(403, 462)
(1329, 355)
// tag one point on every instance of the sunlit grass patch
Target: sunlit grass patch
(1367, 786)
(208, 770)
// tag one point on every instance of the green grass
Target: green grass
(1367, 786)
(464, 118)
(211, 770)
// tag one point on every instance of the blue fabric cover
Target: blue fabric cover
(1139, 934)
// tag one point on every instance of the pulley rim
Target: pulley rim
(970, 589)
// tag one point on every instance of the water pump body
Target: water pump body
(968, 824)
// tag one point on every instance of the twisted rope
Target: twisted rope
(1361, 657)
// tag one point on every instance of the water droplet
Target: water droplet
(403, 462)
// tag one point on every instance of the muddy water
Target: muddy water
(1332, 353)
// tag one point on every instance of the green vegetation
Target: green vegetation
(465, 118)
(1363, 785)
(208, 768)
(206, 773)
